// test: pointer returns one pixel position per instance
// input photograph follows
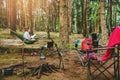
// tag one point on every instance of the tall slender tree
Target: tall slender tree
(84, 18)
(8, 11)
(13, 14)
(0, 12)
(30, 8)
(64, 31)
(22, 15)
(103, 23)
(69, 16)
(47, 19)
(82, 2)
(0, 6)
(87, 18)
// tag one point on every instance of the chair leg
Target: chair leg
(100, 67)
(102, 72)
(115, 70)
(89, 75)
(79, 54)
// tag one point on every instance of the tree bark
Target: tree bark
(22, 16)
(30, 16)
(87, 18)
(0, 12)
(64, 31)
(8, 11)
(69, 16)
(13, 15)
(103, 24)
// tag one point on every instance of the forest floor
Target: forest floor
(73, 70)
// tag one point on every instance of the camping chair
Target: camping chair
(102, 70)
(88, 43)
(20, 36)
(82, 53)
(110, 60)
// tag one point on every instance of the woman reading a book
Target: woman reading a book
(27, 34)
(27, 37)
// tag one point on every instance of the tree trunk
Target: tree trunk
(30, 16)
(1, 3)
(0, 12)
(69, 16)
(0, 7)
(110, 16)
(25, 12)
(87, 18)
(84, 18)
(22, 16)
(74, 16)
(115, 13)
(103, 24)
(82, 1)
(47, 20)
(64, 31)
(13, 15)
(8, 11)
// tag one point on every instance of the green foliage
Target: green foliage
(57, 26)
(118, 20)
(76, 15)
(94, 6)
(118, 10)
(118, 17)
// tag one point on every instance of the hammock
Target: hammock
(20, 36)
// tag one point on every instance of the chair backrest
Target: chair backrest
(95, 38)
(86, 44)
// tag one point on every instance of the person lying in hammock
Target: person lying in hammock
(26, 37)
(27, 34)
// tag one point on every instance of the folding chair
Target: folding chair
(88, 43)
(87, 46)
(103, 71)
(112, 55)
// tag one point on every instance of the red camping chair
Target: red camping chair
(87, 44)
(86, 51)
(108, 66)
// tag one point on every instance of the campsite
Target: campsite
(59, 40)
(14, 58)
